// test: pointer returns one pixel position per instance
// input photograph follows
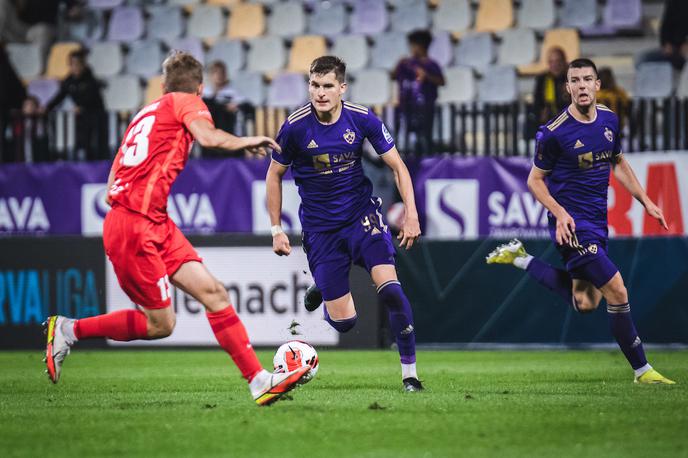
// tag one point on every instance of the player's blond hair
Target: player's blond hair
(181, 73)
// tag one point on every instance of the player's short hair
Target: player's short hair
(181, 73)
(326, 64)
(582, 63)
(422, 38)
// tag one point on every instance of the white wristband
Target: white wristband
(277, 229)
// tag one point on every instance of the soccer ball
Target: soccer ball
(295, 354)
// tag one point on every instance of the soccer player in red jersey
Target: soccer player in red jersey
(146, 248)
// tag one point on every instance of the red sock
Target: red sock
(231, 335)
(123, 325)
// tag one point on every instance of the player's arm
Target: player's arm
(210, 137)
(111, 180)
(565, 224)
(273, 183)
(625, 175)
(410, 229)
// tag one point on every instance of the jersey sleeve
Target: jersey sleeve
(547, 150)
(288, 152)
(617, 150)
(376, 132)
(189, 107)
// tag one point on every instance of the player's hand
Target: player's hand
(280, 244)
(654, 211)
(565, 228)
(257, 145)
(410, 231)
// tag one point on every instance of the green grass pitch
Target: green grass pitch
(480, 403)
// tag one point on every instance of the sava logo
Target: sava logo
(517, 214)
(193, 212)
(451, 208)
(25, 214)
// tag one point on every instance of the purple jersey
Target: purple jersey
(579, 157)
(326, 163)
(413, 93)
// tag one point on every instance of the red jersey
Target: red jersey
(154, 151)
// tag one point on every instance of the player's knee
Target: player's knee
(584, 304)
(618, 294)
(161, 328)
(215, 295)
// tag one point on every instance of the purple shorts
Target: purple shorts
(589, 261)
(366, 242)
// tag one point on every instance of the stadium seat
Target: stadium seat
(153, 89)
(578, 13)
(165, 23)
(144, 58)
(494, 15)
(223, 3)
(388, 49)
(623, 14)
(265, 2)
(105, 58)
(26, 59)
(452, 16)
(682, 90)
(353, 49)
(251, 86)
(653, 80)
(231, 52)
(287, 19)
(185, 3)
(304, 50)
(327, 19)
(442, 48)
(475, 50)
(126, 24)
(567, 39)
(287, 90)
(43, 89)
(122, 93)
(537, 14)
(499, 84)
(266, 54)
(206, 21)
(90, 27)
(192, 45)
(104, 4)
(368, 17)
(460, 86)
(410, 15)
(57, 60)
(518, 47)
(371, 87)
(246, 20)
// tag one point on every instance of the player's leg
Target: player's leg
(586, 297)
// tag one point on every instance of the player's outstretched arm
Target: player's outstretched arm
(273, 183)
(410, 229)
(625, 175)
(565, 224)
(211, 137)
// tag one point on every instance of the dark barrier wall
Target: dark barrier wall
(457, 298)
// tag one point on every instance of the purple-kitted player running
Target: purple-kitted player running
(574, 156)
(341, 220)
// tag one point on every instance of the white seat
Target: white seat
(352, 49)
(452, 16)
(579, 13)
(122, 93)
(499, 84)
(192, 45)
(165, 22)
(371, 87)
(104, 4)
(475, 50)
(327, 19)
(295, 23)
(460, 86)
(144, 58)
(369, 17)
(26, 59)
(287, 90)
(410, 15)
(250, 86)
(653, 80)
(266, 54)
(231, 52)
(537, 14)
(106, 59)
(388, 49)
(442, 49)
(43, 89)
(682, 90)
(206, 21)
(518, 47)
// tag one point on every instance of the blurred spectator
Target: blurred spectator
(91, 122)
(12, 94)
(30, 133)
(550, 95)
(673, 36)
(418, 78)
(223, 102)
(611, 94)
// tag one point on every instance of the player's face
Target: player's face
(582, 84)
(325, 91)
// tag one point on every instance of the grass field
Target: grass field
(486, 403)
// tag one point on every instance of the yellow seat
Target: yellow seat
(153, 89)
(494, 15)
(225, 3)
(58, 60)
(566, 39)
(304, 50)
(246, 21)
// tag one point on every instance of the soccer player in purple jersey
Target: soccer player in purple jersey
(341, 220)
(574, 156)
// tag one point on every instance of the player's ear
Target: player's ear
(342, 88)
(200, 89)
(598, 84)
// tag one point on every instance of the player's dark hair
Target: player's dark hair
(422, 38)
(326, 64)
(583, 63)
(181, 73)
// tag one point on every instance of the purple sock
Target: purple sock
(554, 279)
(392, 296)
(344, 325)
(623, 330)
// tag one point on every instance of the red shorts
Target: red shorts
(145, 254)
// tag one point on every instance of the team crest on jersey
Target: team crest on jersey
(592, 248)
(608, 134)
(349, 136)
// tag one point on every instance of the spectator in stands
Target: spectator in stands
(91, 121)
(30, 133)
(12, 94)
(673, 36)
(418, 78)
(612, 95)
(224, 103)
(550, 95)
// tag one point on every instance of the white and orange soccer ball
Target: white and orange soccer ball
(295, 354)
